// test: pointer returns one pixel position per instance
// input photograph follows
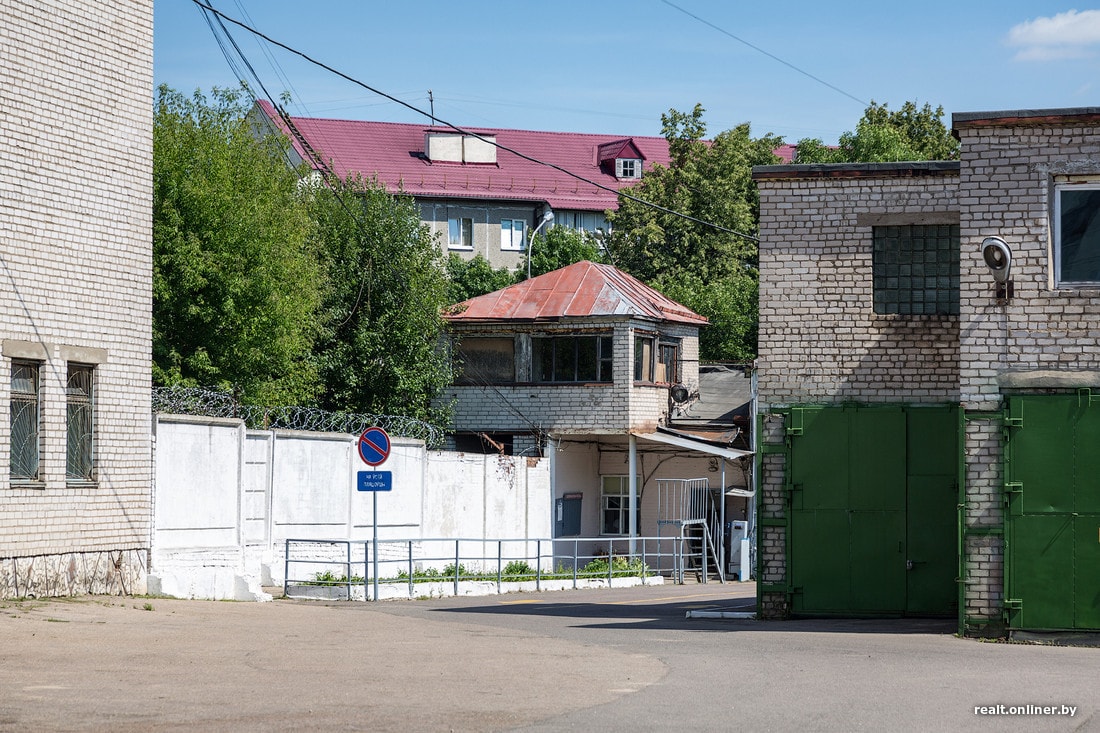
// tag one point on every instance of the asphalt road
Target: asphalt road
(609, 660)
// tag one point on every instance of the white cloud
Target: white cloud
(1071, 34)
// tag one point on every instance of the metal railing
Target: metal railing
(410, 568)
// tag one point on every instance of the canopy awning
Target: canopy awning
(681, 441)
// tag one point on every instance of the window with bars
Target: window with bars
(916, 269)
(25, 416)
(80, 431)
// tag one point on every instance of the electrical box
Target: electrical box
(567, 515)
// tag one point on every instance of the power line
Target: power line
(772, 56)
(470, 133)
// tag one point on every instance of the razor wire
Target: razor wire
(208, 402)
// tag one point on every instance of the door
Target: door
(1052, 518)
(872, 513)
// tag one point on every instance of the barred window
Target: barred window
(24, 420)
(79, 398)
(916, 269)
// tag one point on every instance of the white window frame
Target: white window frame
(634, 165)
(513, 235)
(460, 233)
(1091, 184)
(621, 491)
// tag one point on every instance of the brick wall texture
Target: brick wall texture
(821, 342)
(616, 407)
(75, 263)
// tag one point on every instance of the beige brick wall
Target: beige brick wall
(820, 340)
(75, 263)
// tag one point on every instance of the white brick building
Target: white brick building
(75, 319)
(926, 431)
(583, 364)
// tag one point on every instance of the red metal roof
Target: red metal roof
(583, 289)
(394, 154)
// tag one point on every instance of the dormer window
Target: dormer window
(626, 156)
(628, 168)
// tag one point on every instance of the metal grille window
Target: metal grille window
(571, 358)
(79, 398)
(24, 421)
(916, 269)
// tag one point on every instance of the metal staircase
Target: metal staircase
(686, 507)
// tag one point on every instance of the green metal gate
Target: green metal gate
(1052, 512)
(872, 510)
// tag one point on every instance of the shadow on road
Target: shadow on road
(639, 614)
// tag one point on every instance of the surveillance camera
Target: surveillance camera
(998, 257)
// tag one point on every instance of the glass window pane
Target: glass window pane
(565, 359)
(916, 269)
(80, 429)
(542, 356)
(643, 359)
(1079, 230)
(587, 362)
(24, 416)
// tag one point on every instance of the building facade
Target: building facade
(481, 191)
(927, 358)
(75, 321)
(590, 367)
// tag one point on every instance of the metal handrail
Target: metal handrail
(411, 557)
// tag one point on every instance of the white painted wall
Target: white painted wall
(227, 499)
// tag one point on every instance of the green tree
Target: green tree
(557, 246)
(709, 181)
(730, 304)
(471, 278)
(381, 346)
(692, 260)
(882, 135)
(236, 282)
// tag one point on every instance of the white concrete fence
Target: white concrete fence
(226, 498)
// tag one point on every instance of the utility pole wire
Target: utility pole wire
(772, 56)
(462, 131)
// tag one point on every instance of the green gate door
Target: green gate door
(872, 510)
(1052, 522)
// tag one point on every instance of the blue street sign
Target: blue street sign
(375, 481)
(374, 446)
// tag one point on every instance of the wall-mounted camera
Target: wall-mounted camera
(998, 258)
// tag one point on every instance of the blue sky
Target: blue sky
(802, 68)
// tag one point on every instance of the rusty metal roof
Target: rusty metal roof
(581, 290)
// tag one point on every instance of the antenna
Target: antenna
(431, 105)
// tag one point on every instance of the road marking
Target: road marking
(512, 603)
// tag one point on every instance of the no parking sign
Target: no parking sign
(374, 446)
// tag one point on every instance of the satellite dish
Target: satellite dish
(679, 393)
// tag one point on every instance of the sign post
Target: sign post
(374, 449)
